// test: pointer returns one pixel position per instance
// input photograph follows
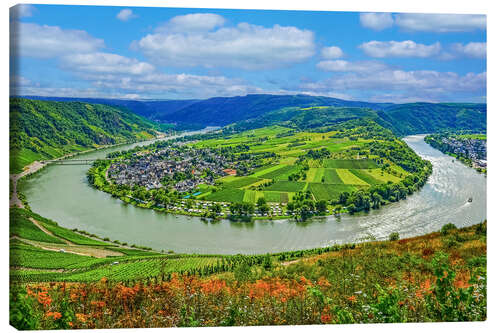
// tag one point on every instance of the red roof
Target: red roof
(230, 171)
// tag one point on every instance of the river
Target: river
(61, 193)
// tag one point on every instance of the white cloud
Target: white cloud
(20, 11)
(105, 63)
(472, 49)
(125, 15)
(244, 46)
(347, 66)
(332, 52)
(376, 21)
(197, 22)
(441, 22)
(406, 48)
(154, 85)
(418, 85)
(43, 41)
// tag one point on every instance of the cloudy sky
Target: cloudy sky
(172, 53)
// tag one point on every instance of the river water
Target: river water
(61, 193)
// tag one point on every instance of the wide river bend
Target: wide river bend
(61, 193)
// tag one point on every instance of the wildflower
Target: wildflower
(326, 318)
(104, 280)
(55, 315)
(99, 304)
(81, 317)
(44, 298)
(352, 299)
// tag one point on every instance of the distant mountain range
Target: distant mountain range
(402, 119)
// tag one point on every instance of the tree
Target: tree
(216, 208)
(263, 208)
(376, 199)
(321, 206)
(394, 236)
(261, 201)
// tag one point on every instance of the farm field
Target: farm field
(345, 169)
(349, 178)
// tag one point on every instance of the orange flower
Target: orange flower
(81, 317)
(44, 298)
(55, 315)
(352, 299)
(214, 287)
(326, 318)
(104, 280)
(99, 304)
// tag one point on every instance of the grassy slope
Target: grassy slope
(42, 130)
(434, 277)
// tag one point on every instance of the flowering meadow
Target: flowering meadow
(435, 277)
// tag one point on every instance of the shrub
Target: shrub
(447, 228)
(394, 236)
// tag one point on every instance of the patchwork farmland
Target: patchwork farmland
(344, 170)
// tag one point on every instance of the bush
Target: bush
(394, 236)
(481, 229)
(447, 228)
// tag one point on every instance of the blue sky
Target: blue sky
(174, 53)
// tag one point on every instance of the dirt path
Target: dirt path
(81, 250)
(286, 263)
(35, 222)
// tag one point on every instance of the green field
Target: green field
(24, 255)
(267, 169)
(350, 164)
(284, 171)
(272, 196)
(287, 186)
(383, 176)
(226, 195)
(328, 191)
(365, 176)
(239, 182)
(331, 177)
(21, 226)
(349, 178)
(249, 196)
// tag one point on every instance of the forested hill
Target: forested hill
(405, 119)
(219, 111)
(264, 109)
(151, 109)
(42, 130)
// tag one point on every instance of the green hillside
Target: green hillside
(42, 130)
(405, 119)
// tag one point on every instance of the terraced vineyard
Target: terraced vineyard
(41, 250)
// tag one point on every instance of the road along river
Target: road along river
(61, 193)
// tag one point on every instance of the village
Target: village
(474, 149)
(181, 168)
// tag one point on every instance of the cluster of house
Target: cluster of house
(471, 148)
(152, 169)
